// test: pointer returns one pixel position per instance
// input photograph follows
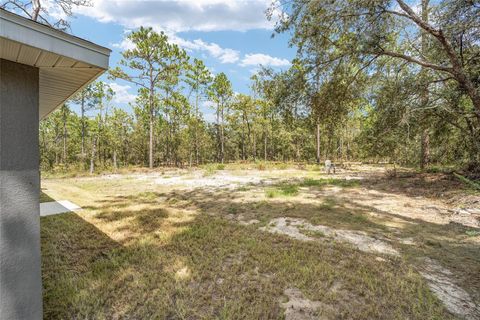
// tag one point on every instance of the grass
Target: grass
(143, 251)
(472, 233)
(440, 169)
(284, 190)
(291, 189)
(312, 233)
(329, 181)
(88, 275)
(209, 170)
(474, 185)
(45, 197)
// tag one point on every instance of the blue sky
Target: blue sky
(229, 36)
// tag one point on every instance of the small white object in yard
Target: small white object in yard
(329, 166)
(57, 207)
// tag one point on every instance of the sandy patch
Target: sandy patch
(294, 227)
(403, 206)
(298, 307)
(223, 180)
(455, 299)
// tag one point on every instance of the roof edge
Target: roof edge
(52, 32)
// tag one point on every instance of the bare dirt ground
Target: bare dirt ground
(429, 222)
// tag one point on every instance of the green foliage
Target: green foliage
(469, 183)
(367, 84)
(210, 169)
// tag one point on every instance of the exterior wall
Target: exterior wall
(20, 267)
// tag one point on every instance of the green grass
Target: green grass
(440, 169)
(292, 188)
(329, 181)
(209, 170)
(472, 233)
(284, 190)
(474, 185)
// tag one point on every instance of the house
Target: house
(40, 68)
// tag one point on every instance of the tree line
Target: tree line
(372, 80)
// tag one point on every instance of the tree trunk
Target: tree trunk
(318, 140)
(456, 69)
(254, 145)
(424, 139)
(64, 135)
(196, 127)
(150, 142)
(265, 146)
(243, 143)
(222, 138)
(218, 135)
(425, 149)
(115, 167)
(92, 158)
(82, 119)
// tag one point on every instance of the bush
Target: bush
(469, 183)
(210, 169)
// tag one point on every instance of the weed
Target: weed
(210, 169)
(472, 233)
(470, 183)
(328, 204)
(261, 166)
(285, 190)
(232, 210)
(289, 190)
(282, 166)
(439, 169)
(272, 193)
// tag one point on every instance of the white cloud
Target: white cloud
(122, 94)
(173, 16)
(256, 59)
(125, 44)
(225, 55)
(183, 15)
